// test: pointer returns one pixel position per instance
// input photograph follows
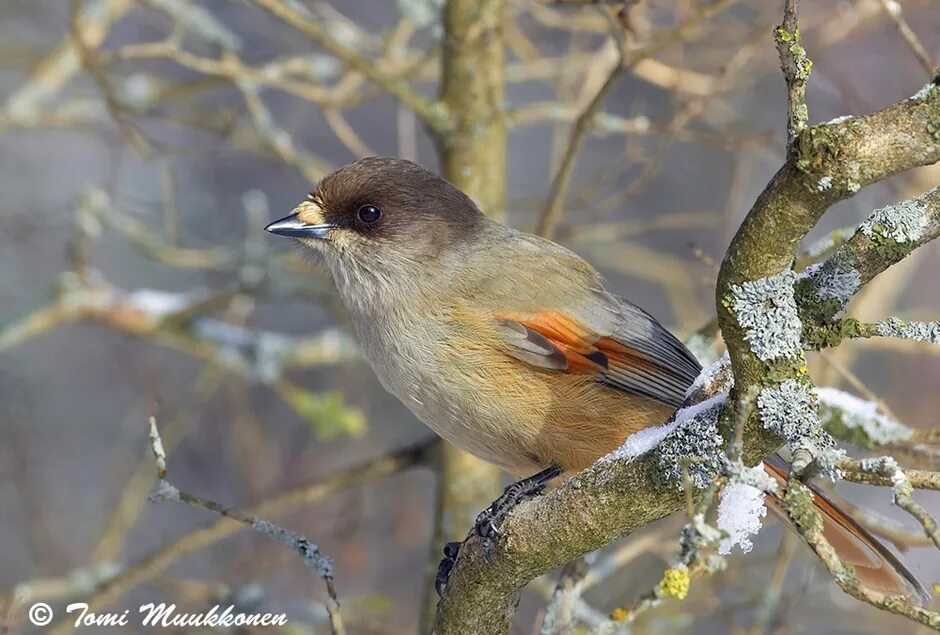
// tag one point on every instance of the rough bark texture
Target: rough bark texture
(473, 157)
(827, 163)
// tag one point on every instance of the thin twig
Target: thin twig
(316, 560)
(553, 210)
(432, 113)
(796, 69)
(155, 562)
(894, 11)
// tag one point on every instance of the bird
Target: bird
(504, 343)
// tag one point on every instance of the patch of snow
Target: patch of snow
(859, 413)
(158, 304)
(741, 511)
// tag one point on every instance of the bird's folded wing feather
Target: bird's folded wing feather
(623, 346)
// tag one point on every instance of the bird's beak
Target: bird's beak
(293, 227)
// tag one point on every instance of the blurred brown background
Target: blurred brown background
(161, 177)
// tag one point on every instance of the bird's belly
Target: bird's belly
(454, 392)
(520, 418)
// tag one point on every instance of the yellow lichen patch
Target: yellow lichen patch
(620, 614)
(675, 582)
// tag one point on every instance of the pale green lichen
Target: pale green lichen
(803, 65)
(766, 310)
(888, 466)
(926, 92)
(789, 410)
(800, 505)
(919, 331)
(834, 279)
(696, 535)
(903, 222)
(695, 443)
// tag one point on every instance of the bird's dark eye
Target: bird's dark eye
(369, 213)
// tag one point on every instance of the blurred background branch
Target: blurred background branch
(146, 143)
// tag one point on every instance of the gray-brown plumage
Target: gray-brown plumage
(504, 343)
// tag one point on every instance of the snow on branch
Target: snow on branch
(862, 421)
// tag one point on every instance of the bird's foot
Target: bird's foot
(451, 549)
(489, 520)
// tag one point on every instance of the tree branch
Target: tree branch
(433, 114)
(827, 163)
(316, 560)
(888, 236)
(796, 67)
(115, 586)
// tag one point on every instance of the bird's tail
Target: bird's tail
(875, 566)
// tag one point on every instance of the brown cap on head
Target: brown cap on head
(384, 200)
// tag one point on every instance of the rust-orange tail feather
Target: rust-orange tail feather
(875, 566)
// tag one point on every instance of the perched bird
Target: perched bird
(504, 343)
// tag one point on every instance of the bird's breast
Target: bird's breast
(451, 370)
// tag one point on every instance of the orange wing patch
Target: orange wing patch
(574, 341)
(554, 341)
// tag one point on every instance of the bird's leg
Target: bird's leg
(488, 521)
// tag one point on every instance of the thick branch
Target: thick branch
(888, 236)
(828, 163)
(600, 505)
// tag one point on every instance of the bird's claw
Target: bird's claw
(490, 519)
(446, 565)
(486, 526)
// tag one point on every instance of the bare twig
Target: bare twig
(798, 504)
(434, 115)
(553, 210)
(316, 560)
(316, 489)
(894, 11)
(796, 67)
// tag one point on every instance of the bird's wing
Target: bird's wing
(622, 345)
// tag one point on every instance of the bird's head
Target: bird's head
(382, 224)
